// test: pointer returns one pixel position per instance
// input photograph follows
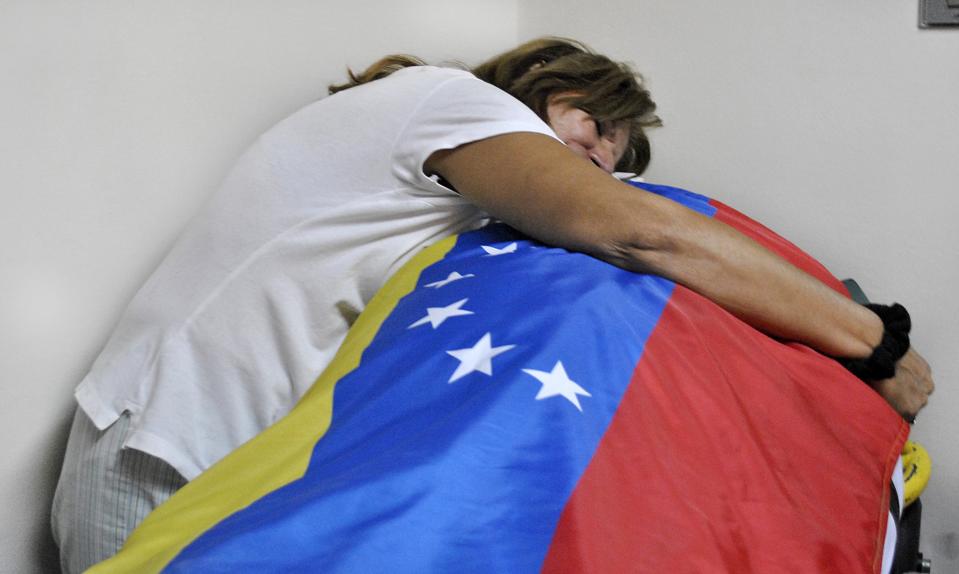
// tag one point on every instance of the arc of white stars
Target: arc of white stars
(494, 251)
(436, 315)
(479, 357)
(454, 276)
(557, 383)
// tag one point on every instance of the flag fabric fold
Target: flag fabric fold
(505, 406)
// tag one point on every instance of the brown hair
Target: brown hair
(377, 70)
(611, 92)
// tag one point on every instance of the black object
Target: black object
(881, 364)
(907, 558)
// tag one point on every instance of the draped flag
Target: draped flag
(504, 406)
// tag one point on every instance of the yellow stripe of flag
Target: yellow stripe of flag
(272, 459)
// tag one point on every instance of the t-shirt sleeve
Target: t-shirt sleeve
(459, 110)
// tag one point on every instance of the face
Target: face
(603, 144)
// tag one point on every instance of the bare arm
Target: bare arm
(540, 187)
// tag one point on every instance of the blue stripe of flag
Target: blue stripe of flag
(417, 474)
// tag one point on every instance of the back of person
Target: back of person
(254, 299)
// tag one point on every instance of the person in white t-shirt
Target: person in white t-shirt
(255, 297)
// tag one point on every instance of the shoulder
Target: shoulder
(425, 80)
(422, 93)
(407, 89)
(433, 73)
(454, 92)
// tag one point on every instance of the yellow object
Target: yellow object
(916, 469)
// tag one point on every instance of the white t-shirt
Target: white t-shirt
(256, 296)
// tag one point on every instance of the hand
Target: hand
(908, 391)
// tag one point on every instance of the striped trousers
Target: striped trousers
(104, 492)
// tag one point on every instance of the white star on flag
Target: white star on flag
(436, 315)
(557, 383)
(479, 357)
(493, 251)
(454, 276)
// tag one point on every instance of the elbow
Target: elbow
(652, 243)
(640, 254)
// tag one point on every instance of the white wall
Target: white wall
(837, 124)
(118, 117)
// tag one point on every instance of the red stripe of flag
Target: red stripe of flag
(733, 452)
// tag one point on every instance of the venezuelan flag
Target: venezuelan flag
(505, 406)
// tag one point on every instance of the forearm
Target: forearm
(758, 286)
(539, 187)
(647, 233)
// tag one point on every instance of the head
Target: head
(577, 91)
(604, 143)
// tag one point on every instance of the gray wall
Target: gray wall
(835, 123)
(118, 118)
